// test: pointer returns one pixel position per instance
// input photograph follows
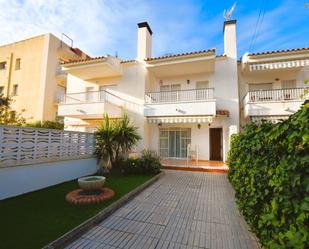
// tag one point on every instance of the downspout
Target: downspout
(9, 77)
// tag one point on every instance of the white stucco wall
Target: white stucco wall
(23, 179)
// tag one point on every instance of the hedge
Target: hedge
(269, 170)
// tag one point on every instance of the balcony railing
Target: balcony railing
(83, 97)
(179, 96)
(275, 95)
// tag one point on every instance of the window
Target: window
(169, 93)
(261, 92)
(288, 87)
(202, 84)
(1, 90)
(286, 84)
(260, 86)
(17, 64)
(90, 94)
(201, 90)
(15, 90)
(3, 65)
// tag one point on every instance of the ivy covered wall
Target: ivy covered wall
(269, 170)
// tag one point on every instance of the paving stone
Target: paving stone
(182, 210)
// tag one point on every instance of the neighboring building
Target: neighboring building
(272, 84)
(192, 98)
(30, 72)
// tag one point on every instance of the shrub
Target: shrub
(46, 124)
(268, 168)
(148, 163)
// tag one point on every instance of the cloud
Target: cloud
(103, 27)
(94, 25)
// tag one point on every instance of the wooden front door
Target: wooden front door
(215, 143)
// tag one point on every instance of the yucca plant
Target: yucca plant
(105, 143)
(114, 139)
(126, 137)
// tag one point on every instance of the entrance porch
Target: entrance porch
(192, 165)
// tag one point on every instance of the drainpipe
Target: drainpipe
(9, 75)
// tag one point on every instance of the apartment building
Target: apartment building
(272, 84)
(188, 103)
(175, 100)
(31, 74)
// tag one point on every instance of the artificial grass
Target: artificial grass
(35, 219)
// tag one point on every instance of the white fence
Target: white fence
(23, 145)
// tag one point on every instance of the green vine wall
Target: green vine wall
(269, 170)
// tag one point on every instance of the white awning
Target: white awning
(279, 65)
(272, 119)
(175, 120)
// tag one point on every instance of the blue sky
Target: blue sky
(103, 27)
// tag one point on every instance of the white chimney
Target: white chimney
(229, 30)
(144, 41)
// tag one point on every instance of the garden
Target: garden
(35, 219)
(269, 170)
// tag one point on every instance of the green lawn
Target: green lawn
(35, 219)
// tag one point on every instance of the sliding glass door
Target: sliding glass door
(174, 142)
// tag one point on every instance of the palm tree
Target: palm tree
(126, 137)
(115, 138)
(105, 142)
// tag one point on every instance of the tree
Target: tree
(8, 116)
(114, 139)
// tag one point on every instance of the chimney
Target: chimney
(229, 30)
(144, 41)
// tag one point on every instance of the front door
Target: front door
(215, 143)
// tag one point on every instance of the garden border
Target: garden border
(76, 232)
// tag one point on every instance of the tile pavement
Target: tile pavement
(181, 210)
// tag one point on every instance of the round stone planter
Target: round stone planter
(91, 183)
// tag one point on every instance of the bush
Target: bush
(268, 168)
(46, 124)
(148, 163)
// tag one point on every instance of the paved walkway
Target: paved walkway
(181, 210)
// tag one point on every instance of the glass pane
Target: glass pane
(172, 141)
(163, 143)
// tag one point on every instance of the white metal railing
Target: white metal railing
(275, 95)
(84, 97)
(25, 145)
(179, 96)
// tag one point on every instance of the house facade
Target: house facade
(183, 104)
(31, 74)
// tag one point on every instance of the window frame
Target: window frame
(15, 90)
(19, 64)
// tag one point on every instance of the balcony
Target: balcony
(90, 105)
(180, 103)
(276, 102)
(95, 68)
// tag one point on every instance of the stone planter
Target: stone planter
(90, 183)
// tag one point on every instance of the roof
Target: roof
(279, 51)
(209, 51)
(99, 58)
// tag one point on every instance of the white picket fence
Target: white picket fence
(24, 145)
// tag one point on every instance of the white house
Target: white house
(192, 98)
